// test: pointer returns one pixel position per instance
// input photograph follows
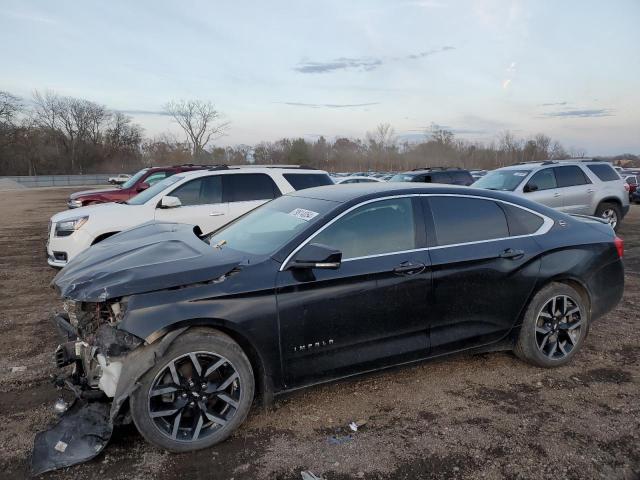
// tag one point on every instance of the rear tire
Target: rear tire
(196, 394)
(611, 212)
(554, 328)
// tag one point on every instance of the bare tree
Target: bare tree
(10, 107)
(200, 121)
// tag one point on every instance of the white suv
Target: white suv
(586, 187)
(206, 198)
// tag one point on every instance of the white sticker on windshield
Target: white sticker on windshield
(520, 174)
(303, 214)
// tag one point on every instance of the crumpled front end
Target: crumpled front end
(93, 356)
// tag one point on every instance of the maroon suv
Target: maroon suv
(137, 183)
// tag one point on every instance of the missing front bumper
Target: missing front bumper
(81, 433)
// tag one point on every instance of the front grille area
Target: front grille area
(86, 317)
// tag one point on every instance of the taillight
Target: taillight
(619, 243)
(626, 186)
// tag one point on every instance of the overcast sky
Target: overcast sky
(570, 69)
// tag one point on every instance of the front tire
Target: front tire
(554, 328)
(196, 395)
(611, 213)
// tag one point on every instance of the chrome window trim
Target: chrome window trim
(547, 223)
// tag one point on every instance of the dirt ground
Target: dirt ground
(486, 416)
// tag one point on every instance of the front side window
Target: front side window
(542, 180)
(201, 191)
(156, 177)
(570, 176)
(243, 187)
(462, 220)
(151, 192)
(376, 228)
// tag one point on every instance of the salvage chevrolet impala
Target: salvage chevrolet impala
(179, 333)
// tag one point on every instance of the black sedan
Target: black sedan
(181, 331)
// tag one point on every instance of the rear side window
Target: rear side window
(376, 228)
(569, 176)
(462, 220)
(461, 178)
(440, 177)
(242, 187)
(604, 172)
(543, 180)
(300, 181)
(632, 180)
(521, 222)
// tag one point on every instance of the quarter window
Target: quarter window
(570, 176)
(376, 228)
(300, 181)
(542, 180)
(604, 172)
(243, 187)
(462, 220)
(521, 222)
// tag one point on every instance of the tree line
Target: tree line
(56, 134)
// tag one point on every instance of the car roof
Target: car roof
(250, 169)
(553, 163)
(417, 171)
(363, 191)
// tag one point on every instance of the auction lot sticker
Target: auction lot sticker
(303, 214)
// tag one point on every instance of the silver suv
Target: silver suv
(587, 187)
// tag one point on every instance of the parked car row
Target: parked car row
(215, 286)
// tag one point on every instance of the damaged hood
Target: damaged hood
(153, 256)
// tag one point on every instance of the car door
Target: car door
(371, 311)
(201, 204)
(245, 191)
(482, 274)
(576, 189)
(542, 187)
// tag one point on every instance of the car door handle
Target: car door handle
(556, 195)
(512, 254)
(408, 268)
(216, 214)
(590, 190)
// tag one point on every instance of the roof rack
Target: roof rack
(435, 168)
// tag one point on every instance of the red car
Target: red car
(136, 184)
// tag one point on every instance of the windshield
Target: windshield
(268, 228)
(133, 180)
(401, 177)
(506, 180)
(152, 191)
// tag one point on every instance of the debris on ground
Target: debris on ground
(308, 475)
(354, 426)
(339, 439)
(19, 369)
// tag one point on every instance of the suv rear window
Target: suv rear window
(243, 187)
(604, 172)
(300, 181)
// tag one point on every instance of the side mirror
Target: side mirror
(530, 187)
(315, 255)
(170, 202)
(142, 186)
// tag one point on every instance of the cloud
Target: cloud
(596, 112)
(30, 17)
(425, 4)
(362, 63)
(339, 64)
(554, 104)
(329, 105)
